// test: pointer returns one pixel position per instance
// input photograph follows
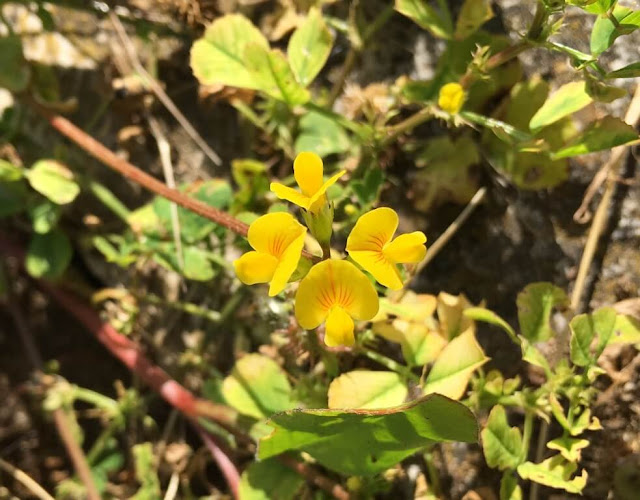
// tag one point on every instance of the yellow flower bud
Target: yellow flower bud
(451, 98)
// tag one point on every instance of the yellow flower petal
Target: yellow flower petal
(339, 328)
(286, 193)
(334, 283)
(307, 169)
(451, 97)
(255, 267)
(287, 265)
(319, 198)
(382, 269)
(373, 230)
(406, 248)
(273, 233)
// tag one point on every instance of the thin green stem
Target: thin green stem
(432, 472)
(96, 399)
(188, 307)
(410, 123)
(526, 435)
(109, 200)
(389, 363)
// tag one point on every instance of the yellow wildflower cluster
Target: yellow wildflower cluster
(334, 291)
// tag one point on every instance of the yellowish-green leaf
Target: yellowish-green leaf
(535, 304)
(474, 13)
(426, 17)
(554, 472)
(569, 448)
(412, 307)
(606, 133)
(9, 172)
(219, 56)
(455, 365)
(584, 330)
(273, 76)
(487, 316)
(146, 474)
(627, 330)
(502, 444)
(568, 99)
(533, 356)
(53, 180)
(257, 387)
(367, 389)
(450, 315)
(309, 47)
(419, 344)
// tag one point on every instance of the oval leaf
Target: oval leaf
(309, 47)
(453, 368)
(367, 389)
(53, 180)
(48, 255)
(602, 134)
(535, 304)
(269, 479)
(566, 100)
(365, 442)
(219, 56)
(273, 76)
(257, 387)
(502, 445)
(425, 16)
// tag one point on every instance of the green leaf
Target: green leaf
(419, 345)
(9, 172)
(605, 32)
(502, 445)
(630, 71)
(309, 47)
(269, 479)
(15, 72)
(473, 14)
(584, 330)
(48, 255)
(606, 133)
(321, 135)
(145, 473)
(44, 216)
(509, 488)
(570, 448)
(367, 389)
(365, 442)
(257, 387)
(454, 366)
(426, 17)
(602, 92)
(568, 99)
(219, 56)
(533, 356)
(53, 180)
(273, 75)
(535, 304)
(487, 316)
(554, 472)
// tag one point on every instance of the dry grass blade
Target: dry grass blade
(23, 478)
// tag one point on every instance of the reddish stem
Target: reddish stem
(109, 158)
(226, 466)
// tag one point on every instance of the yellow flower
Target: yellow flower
(335, 291)
(307, 170)
(451, 98)
(277, 239)
(370, 245)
